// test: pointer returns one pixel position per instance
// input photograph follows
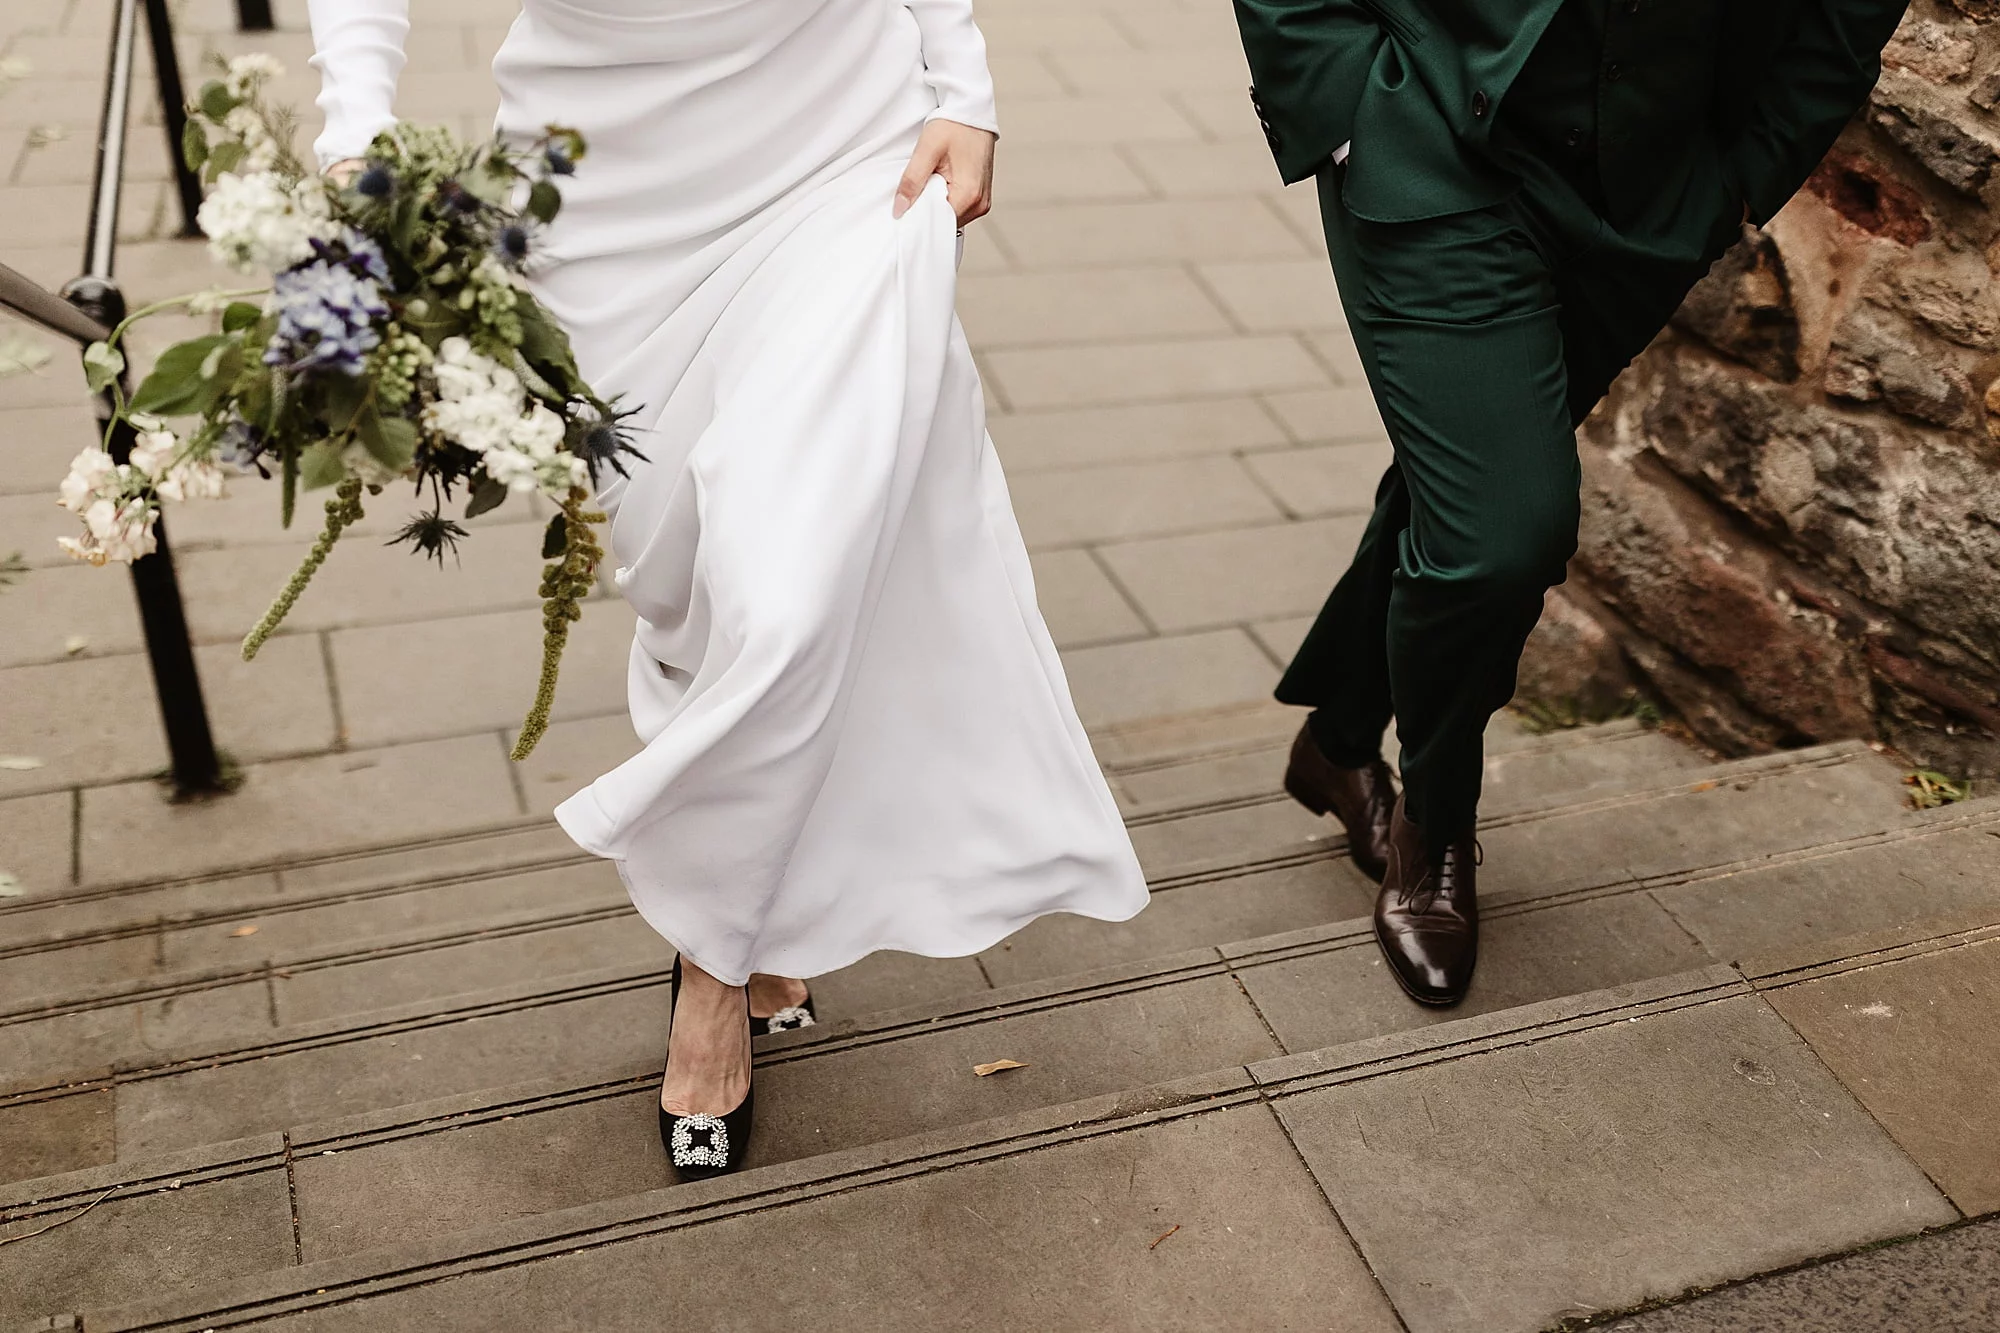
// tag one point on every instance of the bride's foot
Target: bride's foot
(779, 1004)
(705, 1098)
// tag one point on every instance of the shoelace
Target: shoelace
(1421, 898)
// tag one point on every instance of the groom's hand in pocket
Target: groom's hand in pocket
(960, 154)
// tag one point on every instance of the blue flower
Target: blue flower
(376, 181)
(559, 162)
(326, 319)
(511, 244)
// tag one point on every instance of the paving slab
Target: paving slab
(1611, 1166)
(1944, 1283)
(1331, 996)
(570, 757)
(97, 720)
(479, 672)
(299, 807)
(1914, 1040)
(50, 1136)
(1063, 236)
(1277, 295)
(71, 1046)
(1325, 479)
(1225, 578)
(1085, 436)
(1094, 120)
(1080, 602)
(1793, 905)
(821, 1099)
(38, 840)
(1256, 1248)
(1092, 374)
(1196, 170)
(479, 964)
(59, 612)
(169, 1242)
(1177, 673)
(1029, 309)
(1346, 413)
(1246, 907)
(1125, 500)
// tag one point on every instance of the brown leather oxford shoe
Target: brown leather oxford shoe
(1427, 915)
(1362, 799)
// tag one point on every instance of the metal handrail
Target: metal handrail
(38, 305)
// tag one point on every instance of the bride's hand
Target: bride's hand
(960, 154)
(342, 173)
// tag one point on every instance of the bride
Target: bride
(857, 735)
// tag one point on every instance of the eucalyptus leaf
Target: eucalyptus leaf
(544, 201)
(556, 539)
(194, 145)
(487, 494)
(217, 101)
(223, 159)
(177, 385)
(102, 365)
(240, 315)
(393, 440)
(320, 466)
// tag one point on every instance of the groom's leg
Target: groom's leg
(1341, 670)
(1465, 355)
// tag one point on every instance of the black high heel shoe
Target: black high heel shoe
(789, 1019)
(702, 1147)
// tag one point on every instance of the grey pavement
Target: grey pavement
(368, 1044)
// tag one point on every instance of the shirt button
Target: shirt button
(1613, 73)
(1479, 106)
(1574, 138)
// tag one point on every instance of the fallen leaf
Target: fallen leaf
(10, 887)
(241, 931)
(1705, 786)
(75, 644)
(19, 763)
(996, 1067)
(1163, 1235)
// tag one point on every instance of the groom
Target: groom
(1516, 195)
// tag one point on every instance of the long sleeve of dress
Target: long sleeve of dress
(358, 51)
(954, 62)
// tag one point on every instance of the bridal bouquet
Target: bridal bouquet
(389, 341)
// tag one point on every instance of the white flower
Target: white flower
(208, 302)
(121, 530)
(90, 472)
(198, 479)
(246, 72)
(260, 150)
(153, 452)
(254, 223)
(482, 406)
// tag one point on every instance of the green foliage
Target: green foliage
(190, 377)
(102, 365)
(1930, 789)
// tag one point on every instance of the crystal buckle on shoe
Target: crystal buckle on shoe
(713, 1153)
(789, 1019)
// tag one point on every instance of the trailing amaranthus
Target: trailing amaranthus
(572, 548)
(342, 511)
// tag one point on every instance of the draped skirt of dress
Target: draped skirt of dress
(857, 733)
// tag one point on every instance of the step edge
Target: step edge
(502, 1244)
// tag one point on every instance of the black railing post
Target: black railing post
(190, 744)
(176, 681)
(173, 109)
(254, 16)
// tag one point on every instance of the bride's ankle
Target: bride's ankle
(769, 994)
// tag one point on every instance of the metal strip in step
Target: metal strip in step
(1312, 939)
(340, 1281)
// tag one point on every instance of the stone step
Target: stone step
(423, 1167)
(1624, 1145)
(1752, 807)
(337, 942)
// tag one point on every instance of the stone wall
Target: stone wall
(1792, 501)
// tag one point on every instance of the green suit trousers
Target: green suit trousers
(1486, 337)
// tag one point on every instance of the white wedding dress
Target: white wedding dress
(857, 732)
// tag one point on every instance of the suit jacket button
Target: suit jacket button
(1479, 106)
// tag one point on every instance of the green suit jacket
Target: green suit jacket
(1417, 84)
